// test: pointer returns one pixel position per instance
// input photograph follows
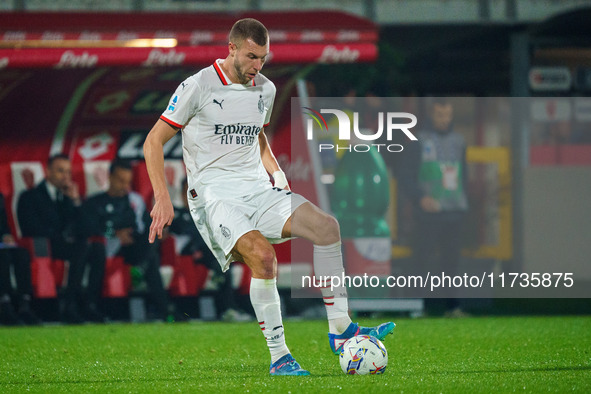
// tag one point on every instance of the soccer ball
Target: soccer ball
(362, 355)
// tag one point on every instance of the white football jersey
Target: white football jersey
(220, 123)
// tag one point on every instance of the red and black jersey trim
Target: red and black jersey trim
(220, 74)
(218, 71)
(265, 125)
(170, 122)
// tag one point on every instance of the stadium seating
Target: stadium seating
(49, 275)
(188, 278)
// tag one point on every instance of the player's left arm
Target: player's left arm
(270, 162)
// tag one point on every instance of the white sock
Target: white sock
(328, 262)
(266, 303)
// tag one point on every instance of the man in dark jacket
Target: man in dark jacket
(18, 258)
(50, 210)
(120, 217)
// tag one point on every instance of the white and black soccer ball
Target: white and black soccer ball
(363, 355)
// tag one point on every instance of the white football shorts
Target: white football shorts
(221, 222)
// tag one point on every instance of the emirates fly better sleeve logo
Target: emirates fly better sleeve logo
(388, 123)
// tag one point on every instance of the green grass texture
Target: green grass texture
(429, 355)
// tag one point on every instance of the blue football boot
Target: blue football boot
(336, 341)
(287, 366)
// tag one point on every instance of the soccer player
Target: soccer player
(222, 112)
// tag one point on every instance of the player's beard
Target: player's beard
(242, 77)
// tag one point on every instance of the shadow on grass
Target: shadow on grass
(242, 371)
(88, 381)
(155, 380)
(518, 370)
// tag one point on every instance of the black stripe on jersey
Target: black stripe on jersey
(218, 71)
(220, 77)
(174, 126)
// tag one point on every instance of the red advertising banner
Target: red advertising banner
(82, 40)
(163, 23)
(199, 55)
(194, 37)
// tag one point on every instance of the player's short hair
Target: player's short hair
(119, 163)
(249, 28)
(58, 156)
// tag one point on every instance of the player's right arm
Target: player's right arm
(162, 212)
(181, 108)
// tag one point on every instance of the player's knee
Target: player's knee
(267, 259)
(266, 262)
(329, 231)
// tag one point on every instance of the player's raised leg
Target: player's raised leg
(258, 254)
(315, 225)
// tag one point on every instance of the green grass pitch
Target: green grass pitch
(488, 354)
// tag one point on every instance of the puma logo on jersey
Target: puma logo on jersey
(218, 103)
(183, 84)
